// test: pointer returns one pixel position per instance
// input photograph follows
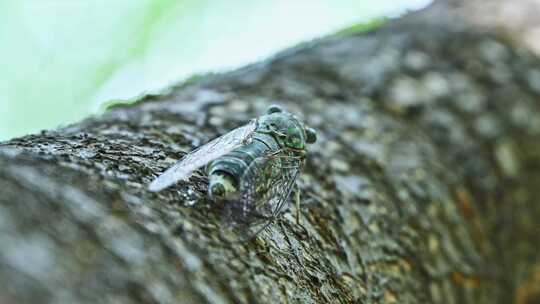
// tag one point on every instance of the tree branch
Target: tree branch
(422, 187)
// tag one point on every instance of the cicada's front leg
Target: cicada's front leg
(296, 197)
(297, 202)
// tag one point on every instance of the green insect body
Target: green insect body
(278, 136)
(254, 167)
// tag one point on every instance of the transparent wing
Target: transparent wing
(203, 155)
(265, 190)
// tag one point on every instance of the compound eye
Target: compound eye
(274, 109)
(311, 135)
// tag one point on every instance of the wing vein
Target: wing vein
(202, 156)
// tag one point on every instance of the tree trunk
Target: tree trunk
(422, 187)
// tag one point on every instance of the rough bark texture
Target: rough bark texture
(422, 187)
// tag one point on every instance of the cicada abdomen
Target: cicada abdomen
(226, 173)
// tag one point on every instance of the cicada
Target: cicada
(252, 169)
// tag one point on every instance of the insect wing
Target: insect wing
(265, 189)
(203, 155)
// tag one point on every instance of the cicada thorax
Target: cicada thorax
(227, 173)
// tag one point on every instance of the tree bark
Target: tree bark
(422, 187)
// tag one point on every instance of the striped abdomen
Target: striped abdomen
(225, 173)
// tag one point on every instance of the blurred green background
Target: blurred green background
(61, 60)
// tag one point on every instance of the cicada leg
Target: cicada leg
(297, 202)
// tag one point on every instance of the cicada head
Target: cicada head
(287, 128)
